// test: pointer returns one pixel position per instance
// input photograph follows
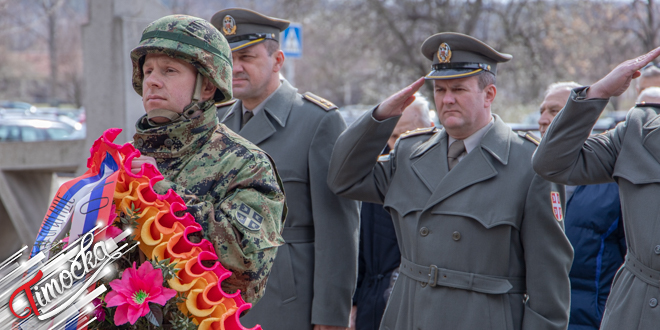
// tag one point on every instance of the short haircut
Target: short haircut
(650, 72)
(271, 46)
(485, 78)
(649, 93)
(422, 104)
(561, 85)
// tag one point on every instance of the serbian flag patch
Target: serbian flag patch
(556, 206)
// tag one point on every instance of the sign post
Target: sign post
(292, 48)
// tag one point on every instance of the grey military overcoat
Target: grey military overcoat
(315, 272)
(630, 156)
(473, 240)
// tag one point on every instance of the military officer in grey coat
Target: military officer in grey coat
(481, 235)
(630, 156)
(315, 272)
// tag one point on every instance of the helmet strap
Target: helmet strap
(188, 111)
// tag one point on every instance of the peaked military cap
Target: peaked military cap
(457, 55)
(243, 27)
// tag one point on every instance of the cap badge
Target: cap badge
(228, 25)
(444, 53)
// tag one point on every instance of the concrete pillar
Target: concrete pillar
(114, 28)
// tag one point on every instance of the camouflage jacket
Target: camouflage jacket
(230, 186)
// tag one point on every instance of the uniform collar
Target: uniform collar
(176, 139)
(278, 105)
(495, 139)
(261, 105)
(473, 140)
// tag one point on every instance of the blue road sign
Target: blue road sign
(292, 41)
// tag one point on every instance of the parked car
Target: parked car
(29, 129)
(7, 107)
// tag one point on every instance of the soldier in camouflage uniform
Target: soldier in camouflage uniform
(181, 67)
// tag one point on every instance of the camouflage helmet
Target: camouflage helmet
(192, 40)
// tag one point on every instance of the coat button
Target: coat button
(657, 249)
(456, 236)
(424, 231)
(169, 142)
(653, 302)
(140, 142)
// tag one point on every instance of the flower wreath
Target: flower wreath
(192, 270)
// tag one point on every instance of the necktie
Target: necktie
(456, 150)
(246, 117)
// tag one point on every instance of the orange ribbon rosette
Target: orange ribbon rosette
(162, 234)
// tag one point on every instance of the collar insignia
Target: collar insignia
(444, 53)
(229, 25)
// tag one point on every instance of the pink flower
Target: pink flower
(98, 310)
(135, 290)
(112, 232)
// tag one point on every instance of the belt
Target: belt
(648, 275)
(433, 276)
(298, 234)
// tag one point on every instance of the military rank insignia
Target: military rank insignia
(229, 25)
(248, 217)
(444, 53)
(556, 205)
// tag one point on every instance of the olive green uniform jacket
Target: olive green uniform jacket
(315, 272)
(481, 247)
(629, 155)
(230, 187)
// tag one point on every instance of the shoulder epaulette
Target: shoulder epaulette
(321, 102)
(530, 136)
(225, 104)
(419, 131)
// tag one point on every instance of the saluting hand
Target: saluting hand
(395, 104)
(617, 81)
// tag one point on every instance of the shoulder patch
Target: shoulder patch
(419, 131)
(248, 217)
(225, 104)
(321, 102)
(530, 136)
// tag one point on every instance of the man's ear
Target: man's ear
(490, 92)
(279, 60)
(208, 89)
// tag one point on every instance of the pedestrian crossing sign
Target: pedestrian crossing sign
(292, 41)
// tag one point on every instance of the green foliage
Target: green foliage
(130, 219)
(169, 269)
(182, 322)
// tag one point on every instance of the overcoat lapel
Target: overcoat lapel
(476, 166)
(232, 118)
(258, 129)
(652, 138)
(431, 163)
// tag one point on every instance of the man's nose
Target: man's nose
(237, 66)
(545, 118)
(153, 79)
(448, 98)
